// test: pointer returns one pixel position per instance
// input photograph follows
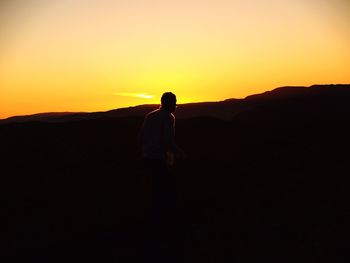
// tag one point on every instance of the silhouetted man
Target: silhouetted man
(157, 135)
(157, 138)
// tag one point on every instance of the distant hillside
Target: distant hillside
(271, 184)
(224, 110)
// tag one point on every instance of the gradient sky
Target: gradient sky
(95, 55)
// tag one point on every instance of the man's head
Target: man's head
(169, 101)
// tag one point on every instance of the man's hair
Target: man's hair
(168, 98)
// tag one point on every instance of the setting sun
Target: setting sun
(101, 55)
(136, 95)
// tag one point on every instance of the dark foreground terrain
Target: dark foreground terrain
(269, 185)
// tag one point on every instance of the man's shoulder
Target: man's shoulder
(153, 113)
(168, 116)
(160, 115)
(169, 119)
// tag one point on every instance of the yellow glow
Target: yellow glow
(136, 95)
(90, 55)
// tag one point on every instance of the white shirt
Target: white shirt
(157, 134)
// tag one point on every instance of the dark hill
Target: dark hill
(224, 110)
(270, 184)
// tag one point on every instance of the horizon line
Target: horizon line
(153, 104)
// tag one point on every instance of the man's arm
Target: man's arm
(169, 137)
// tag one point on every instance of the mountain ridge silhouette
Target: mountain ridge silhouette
(225, 110)
(269, 184)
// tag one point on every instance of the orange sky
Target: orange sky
(94, 55)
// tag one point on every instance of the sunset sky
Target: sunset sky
(96, 55)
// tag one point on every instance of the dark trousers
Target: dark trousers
(161, 210)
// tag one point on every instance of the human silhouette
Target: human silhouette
(157, 139)
(157, 135)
